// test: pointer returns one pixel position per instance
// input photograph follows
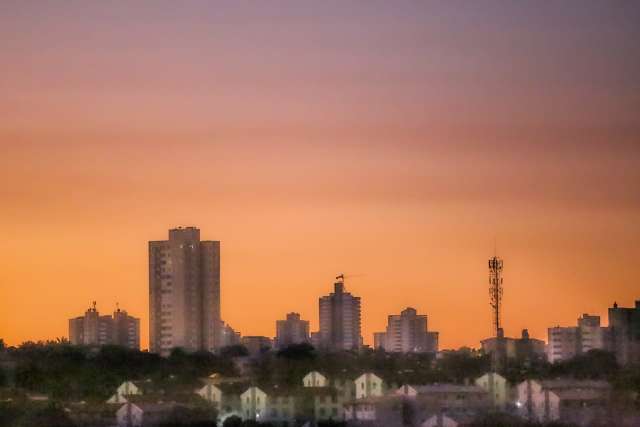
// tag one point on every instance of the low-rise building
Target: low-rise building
(369, 385)
(496, 387)
(253, 404)
(125, 390)
(211, 393)
(281, 407)
(375, 411)
(314, 379)
(452, 398)
(439, 420)
(582, 403)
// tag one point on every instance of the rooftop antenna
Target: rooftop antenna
(94, 306)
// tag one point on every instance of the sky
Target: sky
(399, 143)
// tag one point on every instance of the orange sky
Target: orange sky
(394, 144)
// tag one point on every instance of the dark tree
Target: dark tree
(234, 351)
(232, 421)
(302, 351)
(51, 416)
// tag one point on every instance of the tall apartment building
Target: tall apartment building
(292, 330)
(567, 342)
(339, 320)
(562, 343)
(407, 332)
(126, 329)
(184, 292)
(624, 328)
(94, 329)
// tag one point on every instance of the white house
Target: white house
(369, 385)
(127, 388)
(211, 393)
(253, 403)
(439, 420)
(497, 388)
(314, 379)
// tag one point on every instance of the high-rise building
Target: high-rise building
(292, 330)
(379, 340)
(567, 342)
(339, 319)
(94, 329)
(184, 292)
(562, 343)
(126, 329)
(624, 329)
(407, 332)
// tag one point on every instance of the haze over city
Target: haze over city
(399, 144)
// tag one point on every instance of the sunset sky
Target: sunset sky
(390, 141)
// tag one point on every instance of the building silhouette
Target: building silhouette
(503, 349)
(184, 292)
(624, 327)
(339, 320)
(92, 329)
(292, 330)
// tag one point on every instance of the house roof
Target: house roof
(581, 394)
(570, 383)
(447, 388)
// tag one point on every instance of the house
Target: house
(281, 407)
(253, 404)
(127, 388)
(581, 402)
(369, 385)
(321, 403)
(456, 401)
(230, 402)
(536, 403)
(447, 395)
(567, 400)
(439, 420)
(497, 388)
(142, 414)
(314, 379)
(377, 411)
(211, 393)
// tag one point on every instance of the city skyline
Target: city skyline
(367, 340)
(393, 143)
